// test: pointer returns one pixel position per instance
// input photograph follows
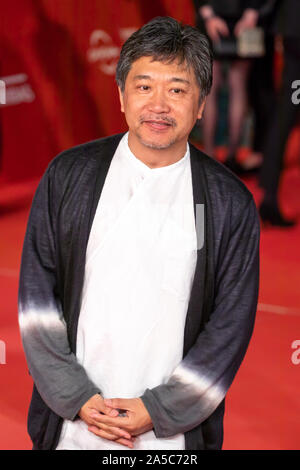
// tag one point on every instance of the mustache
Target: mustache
(163, 118)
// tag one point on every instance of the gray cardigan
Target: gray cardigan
(221, 309)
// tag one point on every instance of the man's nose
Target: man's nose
(158, 102)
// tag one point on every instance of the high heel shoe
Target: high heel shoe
(271, 215)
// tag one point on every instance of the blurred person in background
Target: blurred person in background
(261, 92)
(224, 21)
(286, 24)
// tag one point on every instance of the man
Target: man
(224, 21)
(139, 277)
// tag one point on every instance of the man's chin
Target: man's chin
(156, 145)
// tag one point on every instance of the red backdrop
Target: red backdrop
(57, 59)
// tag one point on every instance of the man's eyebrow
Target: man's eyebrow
(142, 77)
(172, 79)
(179, 80)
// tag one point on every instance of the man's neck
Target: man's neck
(156, 158)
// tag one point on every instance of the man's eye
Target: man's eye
(177, 91)
(144, 87)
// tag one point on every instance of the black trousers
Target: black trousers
(262, 94)
(285, 117)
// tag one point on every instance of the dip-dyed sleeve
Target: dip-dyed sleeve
(200, 382)
(61, 381)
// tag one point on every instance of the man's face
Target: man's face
(161, 104)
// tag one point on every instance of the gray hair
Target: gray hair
(165, 39)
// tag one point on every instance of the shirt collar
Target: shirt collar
(145, 169)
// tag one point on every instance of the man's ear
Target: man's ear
(121, 99)
(201, 109)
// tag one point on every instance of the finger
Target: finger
(105, 435)
(102, 433)
(110, 411)
(99, 405)
(223, 29)
(212, 32)
(106, 410)
(121, 403)
(125, 442)
(237, 30)
(118, 432)
(108, 402)
(114, 422)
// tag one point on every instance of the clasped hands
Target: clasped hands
(103, 418)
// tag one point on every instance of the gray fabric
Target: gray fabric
(60, 379)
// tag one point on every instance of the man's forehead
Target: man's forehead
(146, 64)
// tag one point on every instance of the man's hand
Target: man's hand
(136, 419)
(94, 407)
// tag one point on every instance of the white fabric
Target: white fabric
(140, 265)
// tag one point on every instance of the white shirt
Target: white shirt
(140, 264)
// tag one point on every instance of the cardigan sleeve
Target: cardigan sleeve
(201, 380)
(60, 380)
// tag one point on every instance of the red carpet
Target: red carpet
(263, 405)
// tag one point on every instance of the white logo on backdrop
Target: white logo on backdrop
(16, 90)
(103, 52)
(2, 92)
(2, 352)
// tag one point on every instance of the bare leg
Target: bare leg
(210, 114)
(238, 101)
